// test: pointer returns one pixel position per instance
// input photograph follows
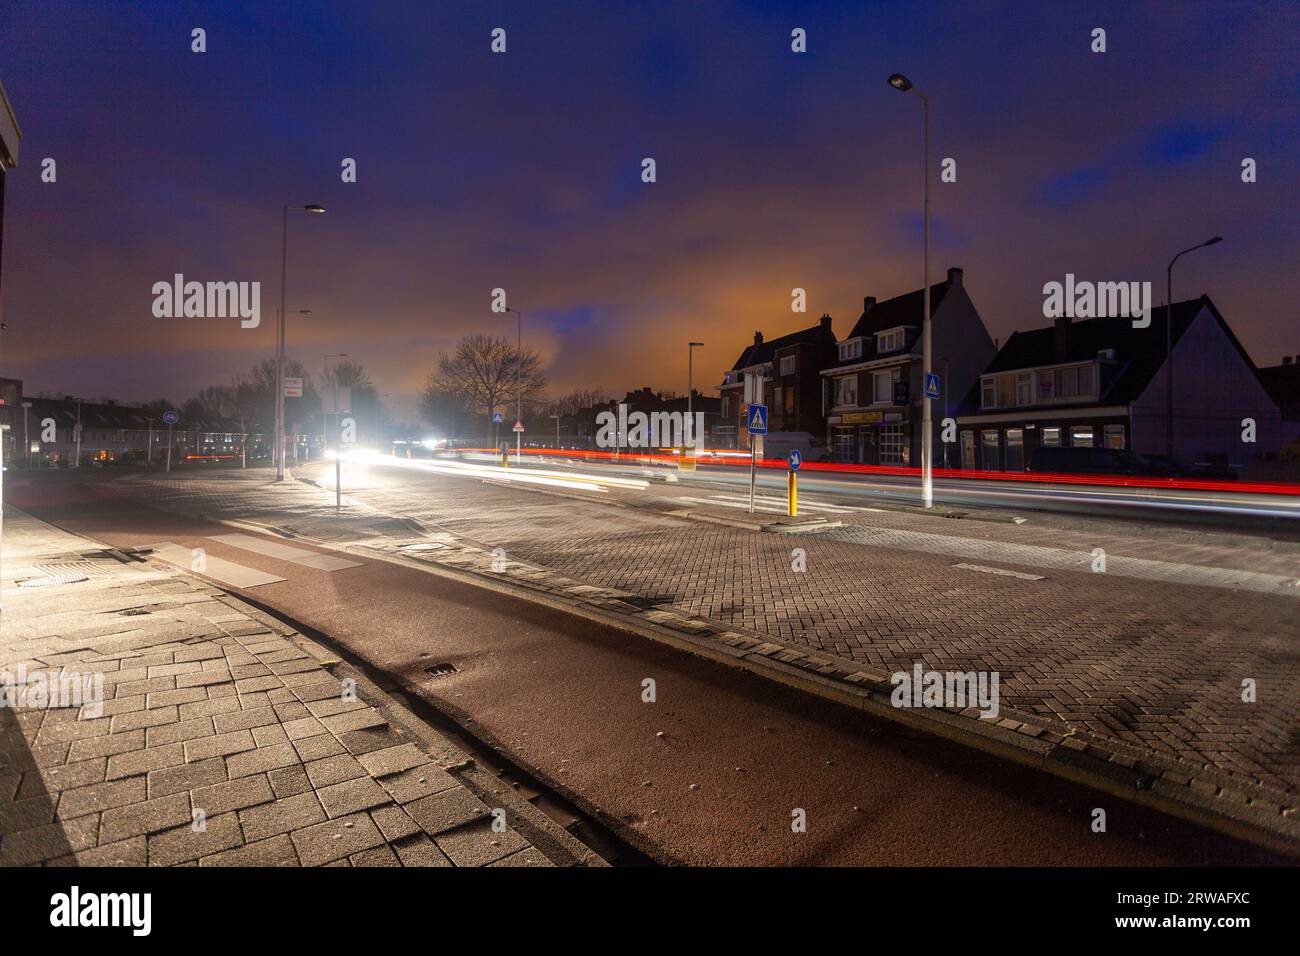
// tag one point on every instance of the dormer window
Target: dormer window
(850, 350)
(890, 341)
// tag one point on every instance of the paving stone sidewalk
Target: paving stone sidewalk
(210, 711)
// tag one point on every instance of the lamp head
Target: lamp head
(899, 82)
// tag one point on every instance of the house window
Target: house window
(787, 364)
(989, 449)
(850, 350)
(1024, 389)
(882, 386)
(893, 445)
(726, 407)
(789, 401)
(1006, 391)
(968, 451)
(1051, 438)
(846, 390)
(988, 392)
(887, 342)
(1114, 436)
(1046, 384)
(776, 395)
(1015, 449)
(1080, 436)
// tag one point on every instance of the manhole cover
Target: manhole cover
(439, 670)
(52, 579)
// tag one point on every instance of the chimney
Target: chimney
(954, 277)
(868, 302)
(1062, 338)
(758, 338)
(825, 320)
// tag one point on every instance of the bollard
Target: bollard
(505, 459)
(792, 494)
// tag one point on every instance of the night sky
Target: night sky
(522, 170)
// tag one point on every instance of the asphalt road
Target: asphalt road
(712, 771)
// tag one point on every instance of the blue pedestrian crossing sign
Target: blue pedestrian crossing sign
(496, 418)
(758, 419)
(931, 385)
(794, 459)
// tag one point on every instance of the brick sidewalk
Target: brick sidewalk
(212, 711)
(1153, 663)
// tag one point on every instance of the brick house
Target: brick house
(791, 368)
(874, 387)
(1102, 383)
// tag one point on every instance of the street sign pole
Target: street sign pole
(169, 449)
(753, 469)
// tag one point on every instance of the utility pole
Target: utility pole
(901, 83)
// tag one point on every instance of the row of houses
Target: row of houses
(1076, 383)
(43, 432)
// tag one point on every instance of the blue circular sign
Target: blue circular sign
(795, 459)
(170, 418)
(496, 418)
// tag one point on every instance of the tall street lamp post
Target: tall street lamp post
(690, 394)
(1169, 343)
(901, 83)
(279, 350)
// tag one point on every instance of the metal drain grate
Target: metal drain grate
(422, 546)
(440, 670)
(76, 567)
(133, 612)
(52, 579)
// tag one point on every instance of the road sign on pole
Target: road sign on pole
(931, 384)
(795, 459)
(293, 388)
(757, 416)
(496, 418)
(519, 426)
(171, 418)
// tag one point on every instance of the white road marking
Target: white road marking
(219, 569)
(1003, 571)
(273, 549)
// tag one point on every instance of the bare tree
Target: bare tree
(483, 373)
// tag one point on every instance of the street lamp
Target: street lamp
(279, 351)
(519, 385)
(690, 392)
(1169, 343)
(901, 83)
